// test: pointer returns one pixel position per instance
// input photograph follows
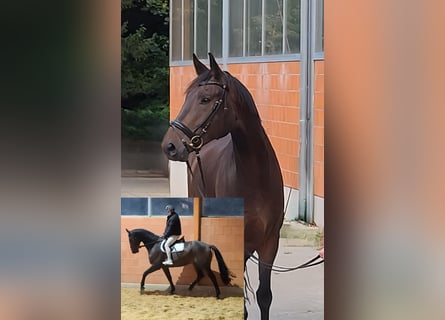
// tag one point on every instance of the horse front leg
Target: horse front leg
(169, 278)
(264, 293)
(145, 274)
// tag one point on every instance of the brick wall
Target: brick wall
(225, 233)
(275, 89)
(319, 129)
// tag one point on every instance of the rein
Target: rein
(196, 140)
(150, 243)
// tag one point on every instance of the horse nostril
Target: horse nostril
(171, 147)
(171, 150)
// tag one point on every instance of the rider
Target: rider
(172, 232)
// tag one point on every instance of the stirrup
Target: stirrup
(167, 262)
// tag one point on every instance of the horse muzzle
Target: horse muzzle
(175, 149)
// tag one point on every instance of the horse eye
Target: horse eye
(204, 101)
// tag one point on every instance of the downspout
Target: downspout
(310, 173)
(225, 33)
(306, 194)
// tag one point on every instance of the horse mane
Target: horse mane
(243, 95)
(141, 231)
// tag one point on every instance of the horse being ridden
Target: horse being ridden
(195, 252)
(218, 132)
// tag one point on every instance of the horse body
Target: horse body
(228, 166)
(197, 253)
(237, 160)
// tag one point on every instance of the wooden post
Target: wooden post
(197, 213)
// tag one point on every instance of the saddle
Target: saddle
(177, 246)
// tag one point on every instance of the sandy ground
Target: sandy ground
(184, 305)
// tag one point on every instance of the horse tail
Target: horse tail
(223, 270)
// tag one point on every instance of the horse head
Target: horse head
(206, 114)
(134, 241)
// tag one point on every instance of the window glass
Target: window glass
(212, 207)
(188, 29)
(176, 30)
(274, 27)
(216, 28)
(155, 206)
(236, 32)
(253, 18)
(319, 26)
(183, 206)
(201, 29)
(292, 37)
(134, 206)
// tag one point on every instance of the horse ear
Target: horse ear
(199, 66)
(214, 67)
(127, 230)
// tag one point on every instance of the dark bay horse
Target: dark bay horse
(195, 252)
(218, 132)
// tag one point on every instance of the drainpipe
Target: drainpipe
(225, 33)
(306, 175)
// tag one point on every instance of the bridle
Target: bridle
(196, 136)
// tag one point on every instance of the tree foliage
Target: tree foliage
(144, 70)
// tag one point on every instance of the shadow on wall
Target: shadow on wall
(143, 158)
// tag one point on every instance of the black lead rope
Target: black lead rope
(200, 170)
(189, 167)
(310, 263)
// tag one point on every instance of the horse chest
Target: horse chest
(219, 167)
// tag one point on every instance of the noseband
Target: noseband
(195, 136)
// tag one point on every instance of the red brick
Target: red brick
(319, 67)
(292, 67)
(274, 68)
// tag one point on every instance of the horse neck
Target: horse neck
(149, 239)
(250, 141)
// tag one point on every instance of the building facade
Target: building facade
(275, 48)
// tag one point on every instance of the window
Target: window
(273, 27)
(176, 30)
(196, 27)
(155, 206)
(189, 34)
(202, 24)
(236, 29)
(214, 207)
(254, 27)
(216, 25)
(134, 206)
(211, 207)
(319, 26)
(292, 33)
(250, 28)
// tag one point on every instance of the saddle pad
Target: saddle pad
(177, 247)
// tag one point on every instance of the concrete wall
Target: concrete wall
(226, 233)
